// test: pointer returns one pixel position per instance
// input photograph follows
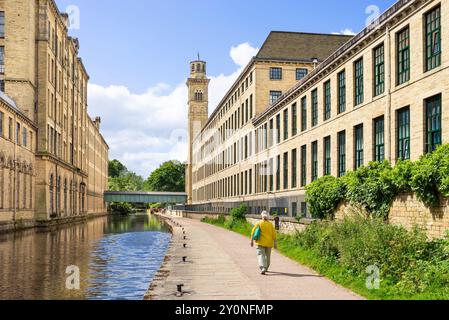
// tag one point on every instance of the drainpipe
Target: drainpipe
(15, 167)
(388, 82)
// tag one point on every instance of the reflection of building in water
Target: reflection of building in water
(34, 263)
(53, 158)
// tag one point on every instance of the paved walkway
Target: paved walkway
(221, 265)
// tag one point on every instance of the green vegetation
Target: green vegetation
(375, 186)
(410, 267)
(169, 177)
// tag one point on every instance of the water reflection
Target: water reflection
(117, 258)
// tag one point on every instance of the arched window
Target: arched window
(193, 67)
(51, 186)
(65, 197)
(199, 95)
(198, 67)
(58, 195)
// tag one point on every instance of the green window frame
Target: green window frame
(285, 124)
(358, 85)
(285, 170)
(379, 139)
(379, 70)
(303, 166)
(304, 114)
(433, 123)
(294, 119)
(327, 156)
(433, 38)
(327, 100)
(341, 153)
(358, 147)
(403, 133)
(294, 168)
(271, 139)
(403, 56)
(314, 107)
(314, 161)
(271, 163)
(278, 173)
(342, 92)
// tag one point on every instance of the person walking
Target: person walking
(264, 235)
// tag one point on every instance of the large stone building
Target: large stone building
(44, 84)
(379, 95)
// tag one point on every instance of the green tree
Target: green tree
(169, 177)
(116, 169)
(128, 181)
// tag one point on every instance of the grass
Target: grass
(332, 268)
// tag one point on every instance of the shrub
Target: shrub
(405, 258)
(402, 175)
(324, 195)
(372, 187)
(431, 176)
(240, 212)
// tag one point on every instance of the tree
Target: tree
(169, 177)
(128, 181)
(116, 169)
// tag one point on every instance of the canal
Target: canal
(116, 257)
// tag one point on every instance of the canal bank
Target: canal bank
(221, 265)
(115, 257)
(21, 225)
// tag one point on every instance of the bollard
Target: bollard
(185, 238)
(184, 259)
(185, 245)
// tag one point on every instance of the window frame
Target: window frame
(359, 150)
(403, 134)
(341, 77)
(433, 115)
(314, 102)
(379, 139)
(379, 70)
(432, 27)
(341, 136)
(276, 73)
(359, 94)
(403, 58)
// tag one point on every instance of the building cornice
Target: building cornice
(392, 16)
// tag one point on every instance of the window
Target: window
(274, 96)
(433, 39)
(403, 134)
(198, 95)
(358, 146)
(286, 124)
(24, 137)
(327, 100)
(294, 168)
(294, 120)
(314, 160)
(10, 129)
(341, 153)
(314, 107)
(301, 73)
(18, 133)
(303, 209)
(379, 139)
(327, 156)
(271, 139)
(303, 166)
(275, 73)
(286, 171)
(433, 123)
(1, 124)
(358, 76)
(403, 56)
(2, 24)
(278, 173)
(271, 174)
(2, 85)
(342, 92)
(2, 59)
(304, 114)
(278, 129)
(294, 209)
(379, 70)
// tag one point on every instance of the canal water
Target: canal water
(117, 258)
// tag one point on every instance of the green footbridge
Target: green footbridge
(145, 197)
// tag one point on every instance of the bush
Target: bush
(324, 195)
(122, 208)
(372, 187)
(405, 258)
(402, 175)
(239, 213)
(431, 176)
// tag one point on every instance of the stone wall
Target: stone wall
(408, 211)
(286, 226)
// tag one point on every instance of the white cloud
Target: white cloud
(346, 32)
(144, 130)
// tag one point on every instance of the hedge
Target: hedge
(375, 186)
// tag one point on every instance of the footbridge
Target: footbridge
(145, 197)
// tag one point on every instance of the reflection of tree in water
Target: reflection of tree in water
(118, 224)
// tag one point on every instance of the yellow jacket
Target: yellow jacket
(267, 234)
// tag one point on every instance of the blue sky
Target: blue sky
(137, 54)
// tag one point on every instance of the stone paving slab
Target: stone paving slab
(221, 265)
